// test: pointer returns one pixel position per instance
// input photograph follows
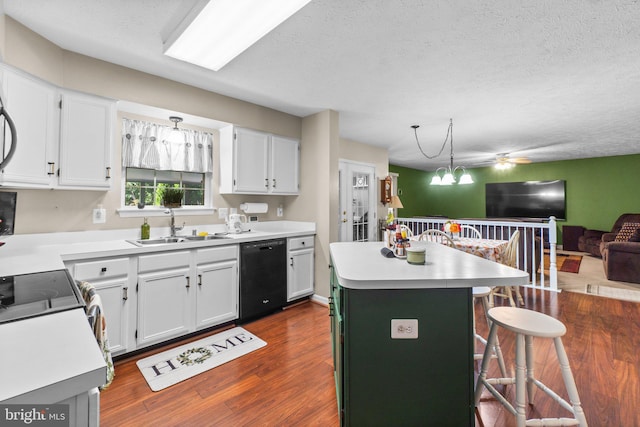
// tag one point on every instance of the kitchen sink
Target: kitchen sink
(176, 239)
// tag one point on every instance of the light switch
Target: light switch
(223, 213)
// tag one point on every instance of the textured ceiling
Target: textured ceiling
(548, 79)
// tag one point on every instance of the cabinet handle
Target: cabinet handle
(199, 279)
(274, 183)
(125, 294)
(291, 264)
(266, 183)
(52, 167)
(188, 281)
(108, 172)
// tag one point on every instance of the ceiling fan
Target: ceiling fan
(503, 161)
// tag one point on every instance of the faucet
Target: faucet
(173, 223)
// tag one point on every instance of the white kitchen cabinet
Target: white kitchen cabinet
(285, 164)
(217, 286)
(64, 137)
(254, 162)
(31, 102)
(86, 132)
(112, 279)
(300, 271)
(164, 297)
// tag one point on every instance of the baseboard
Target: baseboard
(320, 300)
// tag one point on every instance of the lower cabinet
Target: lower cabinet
(112, 279)
(164, 296)
(300, 271)
(148, 299)
(180, 292)
(217, 293)
(382, 381)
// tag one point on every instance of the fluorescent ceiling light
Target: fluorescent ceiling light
(216, 31)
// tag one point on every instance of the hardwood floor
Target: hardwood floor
(290, 381)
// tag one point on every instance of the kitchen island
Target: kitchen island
(402, 334)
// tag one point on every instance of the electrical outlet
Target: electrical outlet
(404, 329)
(99, 216)
(223, 213)
(280, 211)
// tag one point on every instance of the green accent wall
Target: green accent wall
(598, 190)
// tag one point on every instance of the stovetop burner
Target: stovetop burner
(36, 294)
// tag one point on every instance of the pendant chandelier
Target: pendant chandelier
(449, 172)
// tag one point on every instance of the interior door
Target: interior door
(357, 213)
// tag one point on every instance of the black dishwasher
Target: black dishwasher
(263, 278)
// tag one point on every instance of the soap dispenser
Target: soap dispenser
(145, 230)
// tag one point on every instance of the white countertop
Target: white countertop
(49, 358)
(360, 265)
(30, 253)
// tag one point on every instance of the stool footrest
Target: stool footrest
(497, 395)
(551, 422)
(554, 396)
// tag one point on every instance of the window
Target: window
(146, 185)
(155, 157)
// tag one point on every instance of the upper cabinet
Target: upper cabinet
(31, 103)
(254, 162)
(64, 137)
(86, 132)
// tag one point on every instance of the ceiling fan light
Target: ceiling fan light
(503, 165)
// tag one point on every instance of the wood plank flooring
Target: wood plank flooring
(290, 381)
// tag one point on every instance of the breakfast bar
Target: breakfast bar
(402, 334)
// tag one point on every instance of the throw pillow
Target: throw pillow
(628, 228)
(635, 237)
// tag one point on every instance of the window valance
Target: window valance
(153, 146)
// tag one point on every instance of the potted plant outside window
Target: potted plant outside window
(172, 197)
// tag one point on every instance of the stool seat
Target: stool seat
(527, 322)
(481, 291)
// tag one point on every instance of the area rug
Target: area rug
(178, 364)
(564, 263)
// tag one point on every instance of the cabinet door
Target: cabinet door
(285, 169)
(115, 299)
(32, 105)
(251, 161)
(217, 293)
(163, 305)
(85, 141)
(300, 274)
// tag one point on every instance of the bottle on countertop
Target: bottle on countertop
(145, 230)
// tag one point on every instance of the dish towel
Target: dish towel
(98, 325)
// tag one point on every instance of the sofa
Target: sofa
(619, 249)
(590, 242)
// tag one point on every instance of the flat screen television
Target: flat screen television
(529, 199)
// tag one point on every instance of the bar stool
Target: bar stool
(482, 293)
(527, 324)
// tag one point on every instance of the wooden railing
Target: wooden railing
(535, 237)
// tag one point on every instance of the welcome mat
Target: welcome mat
(564, 263)
(178, 364)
